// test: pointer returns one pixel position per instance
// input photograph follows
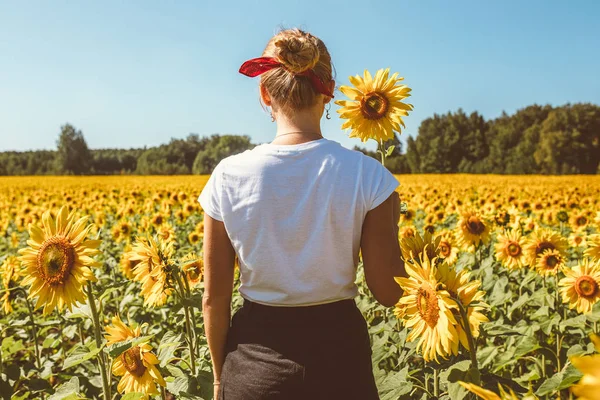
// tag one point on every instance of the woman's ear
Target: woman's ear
(264, 95)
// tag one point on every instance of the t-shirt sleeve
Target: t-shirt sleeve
(210, 198)
(378, 183)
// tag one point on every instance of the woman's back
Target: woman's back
(294, 215)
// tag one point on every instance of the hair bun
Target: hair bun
(298, 52)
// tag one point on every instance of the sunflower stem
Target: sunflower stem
(34, 333)
(98, 337)
(436, 383)
(472, 349)
(188, 329)
(558, 334)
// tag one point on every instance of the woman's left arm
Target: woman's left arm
(219, 259)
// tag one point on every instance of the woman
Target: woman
(296, 212)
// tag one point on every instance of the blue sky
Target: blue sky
(135, 73)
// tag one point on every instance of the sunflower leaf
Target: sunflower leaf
(80, 354)
(117, 349)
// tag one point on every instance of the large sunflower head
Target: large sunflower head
(472, 230)
(375, 108)
(427, 309)
(137, 366)
(154, 257)
(58, 260)
(509, 249)
(549, 262)
(581, 285)
(542, 240)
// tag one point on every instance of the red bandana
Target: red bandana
(260, 65)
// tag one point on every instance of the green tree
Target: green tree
(218, 148)
(73, 155)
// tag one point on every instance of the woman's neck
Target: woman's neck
(302, 121)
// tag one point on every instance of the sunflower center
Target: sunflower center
(132, 362)
(475, 225)
(194, 272)
(55, 259)
(551, 262)
(581, 221)
(586, 286)
(444, 249)
(374, 105)
(427, 304)
(514, 249)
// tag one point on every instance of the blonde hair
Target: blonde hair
(297, 51)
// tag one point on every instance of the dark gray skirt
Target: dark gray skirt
(292, 353)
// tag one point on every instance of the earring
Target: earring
(327, 109)
(272, 117)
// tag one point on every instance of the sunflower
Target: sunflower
(593, 247)
(581, 285)
(549, 262)
(122, 231)
(375, 108)
(11, 273)
(427, 310)
(406, 231)
(153, 257)
(194, 237)
(589, 385)
(467, 292)
(14, 240)
(57, 260)
(472, 230)
(509, 249)
(413, 246)
(127, 265)
(578, 239)
(166, 232)
(541, 240)
(489, 395)
(193, 267)
(579, 221)
(447, 247)
(137, 366)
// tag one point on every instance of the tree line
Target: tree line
(533, 140)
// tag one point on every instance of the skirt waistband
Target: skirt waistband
(312, 310)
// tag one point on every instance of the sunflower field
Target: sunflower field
(102, 282)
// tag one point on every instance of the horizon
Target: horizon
(137, 75)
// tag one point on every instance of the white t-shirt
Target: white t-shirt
(294, 215)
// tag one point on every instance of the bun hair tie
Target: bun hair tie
(260, 65)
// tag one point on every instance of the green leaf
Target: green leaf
(395, 385)
(67, 391)
(389, 151)
(168, 345)
(10, 346)
(115, 350)
(559, 381)
(80, 354)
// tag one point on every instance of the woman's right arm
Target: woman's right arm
(381, 251)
